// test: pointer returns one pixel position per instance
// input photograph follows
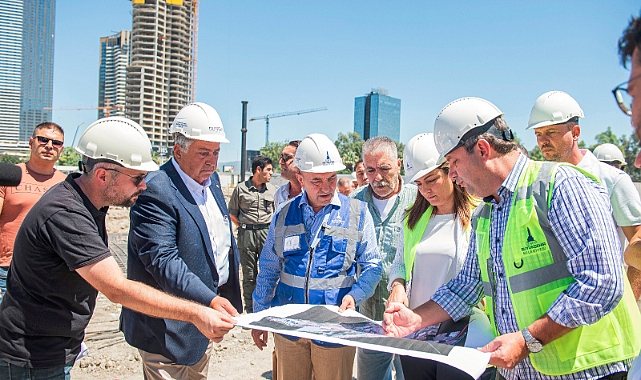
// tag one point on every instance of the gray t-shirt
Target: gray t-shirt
(48, 304)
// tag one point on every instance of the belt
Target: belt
(254, 226)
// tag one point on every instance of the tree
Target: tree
(350, 148)
(11, 159)
(273, 151)
(628, 145)
(69, 157)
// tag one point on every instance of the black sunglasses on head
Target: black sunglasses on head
(45, 140)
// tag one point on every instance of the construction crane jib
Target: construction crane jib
(282, 114)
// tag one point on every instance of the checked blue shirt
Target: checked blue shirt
(580, 216)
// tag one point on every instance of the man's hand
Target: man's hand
(348, 303)
(260, 338)
(399, 321)
(213, 324)
(223, 305)
(507, 350)
(398, 294)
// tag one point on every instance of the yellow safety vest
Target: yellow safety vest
(536, 271)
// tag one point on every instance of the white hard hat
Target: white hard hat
(553, 107)
(458, 118)
(199, 121)
(420, 157)
(318, 154)
(609, 153)
(117, 140)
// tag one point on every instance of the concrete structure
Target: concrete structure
(26, 64)
(112, 81)
(377, 114)
(161, 74)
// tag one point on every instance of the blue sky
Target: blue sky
(293, 55)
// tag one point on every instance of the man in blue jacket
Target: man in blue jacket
(180, 241)
(320, 250)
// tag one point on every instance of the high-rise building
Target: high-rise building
(10, 66)
(37, 64)
(114, 59)
(377, 114)
(160, 77)
(26, 64)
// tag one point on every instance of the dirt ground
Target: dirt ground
(110, 357)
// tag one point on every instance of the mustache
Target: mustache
(382, 183)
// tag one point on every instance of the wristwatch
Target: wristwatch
(533, 345)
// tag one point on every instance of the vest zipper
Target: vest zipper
(307, 273)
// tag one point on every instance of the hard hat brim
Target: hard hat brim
(324, 169)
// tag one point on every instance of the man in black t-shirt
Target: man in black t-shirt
(61, 260)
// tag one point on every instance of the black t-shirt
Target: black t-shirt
(47, 306)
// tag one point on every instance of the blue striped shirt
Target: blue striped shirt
(580, 217)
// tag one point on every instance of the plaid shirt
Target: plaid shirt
(591, 245)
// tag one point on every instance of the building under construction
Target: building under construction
(161, 74)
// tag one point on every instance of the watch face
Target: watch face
(534, 347)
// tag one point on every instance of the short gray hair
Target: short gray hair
(380, 144)
(182, 141)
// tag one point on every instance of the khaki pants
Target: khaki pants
(158, 367)
(302, 359)
(250, 244)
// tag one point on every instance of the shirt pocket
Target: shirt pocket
(268, 203)
(336, 254)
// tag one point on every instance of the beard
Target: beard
(114, 196)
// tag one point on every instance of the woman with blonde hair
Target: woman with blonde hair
(431, 250)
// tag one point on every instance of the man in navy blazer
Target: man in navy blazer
(180, 241)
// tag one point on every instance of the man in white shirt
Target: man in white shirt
(180, 241)
(288, 171)
(555, 120)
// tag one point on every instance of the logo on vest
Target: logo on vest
(337, 221)
(532, 246)
(328, 160)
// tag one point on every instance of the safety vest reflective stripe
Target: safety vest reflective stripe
(538, 277)
(313, 283)
(352, 234)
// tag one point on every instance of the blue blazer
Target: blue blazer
(169, 249)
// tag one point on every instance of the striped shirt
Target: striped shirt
(580, 217)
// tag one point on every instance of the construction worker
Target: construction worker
(180, 241)
(344, 186)
(555, 121)
(320, 249)
(628, 97)
(543, 251)
(610, 154)
(288, 172)
(61, 260)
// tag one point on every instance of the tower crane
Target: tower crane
(108, 107)
(282, 114)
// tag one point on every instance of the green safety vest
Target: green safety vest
(536, 271)
(412, 238)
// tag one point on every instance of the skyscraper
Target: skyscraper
(26, 63)
(377, 114)
(114, 59)
(37, 64)
(160, 77)
(10, 66)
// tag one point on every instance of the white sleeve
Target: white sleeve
(626, 203)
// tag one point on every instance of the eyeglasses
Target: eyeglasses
(623, 97)
(286, 157)
(45, 140)
(137, 179)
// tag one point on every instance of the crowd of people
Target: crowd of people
(536, 263)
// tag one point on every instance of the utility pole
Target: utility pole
(243, 144)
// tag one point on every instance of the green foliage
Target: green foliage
(535, 154)
(273, 151)
(350, 147)
(69, 157)
(11, 159)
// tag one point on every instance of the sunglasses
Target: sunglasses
(286, 157)
(137, 179)
(45, 140)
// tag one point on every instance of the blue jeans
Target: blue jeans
(3, 280)
(13, 372)
(376, 365)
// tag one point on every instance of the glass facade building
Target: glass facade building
(112, 80)
(10, 67)
(377, 114)
(37, 64)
